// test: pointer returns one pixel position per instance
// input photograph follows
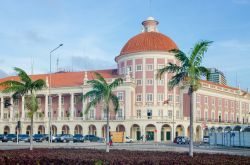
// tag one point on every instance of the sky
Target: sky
(93, 32)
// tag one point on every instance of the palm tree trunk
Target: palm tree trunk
(31, 133)
(191, 145)
(107, 131)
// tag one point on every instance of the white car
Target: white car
(129, 140)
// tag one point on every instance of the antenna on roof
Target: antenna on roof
(150, 7)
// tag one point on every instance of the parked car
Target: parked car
(78, 138)
(1, 137)
(205, 139)
(181, 140)
(56, 138)
(65, 138)
(9, 137)
(22, 137)
(93, 138)
(129, 140)
(39, 137)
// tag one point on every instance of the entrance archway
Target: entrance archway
(28, 130)
(54, 130)
(135, 132)
(65, 129)
(198, 133)
(151, 132)
(166, 133)
(6, 130)
(78, 129)
(120, 128)
(92, 130)
(41, 129)
(104, 128)
(206, 131)
(179, 130)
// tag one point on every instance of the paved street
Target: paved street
(133, 146)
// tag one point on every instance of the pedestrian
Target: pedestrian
(146, 138)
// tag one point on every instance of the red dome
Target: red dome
(148, 41)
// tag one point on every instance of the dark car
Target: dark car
(39, 137)
(65, 138)
(1, 137)
(22, 137)
(78, 138)
(93, 138)
(9, 137)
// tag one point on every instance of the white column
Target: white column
(60, 105)
(2, 106)
(155, 82)
(72, 105)
(46, 106)
(11, 108)
(22, 110)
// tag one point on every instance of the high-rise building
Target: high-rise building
(217, 76)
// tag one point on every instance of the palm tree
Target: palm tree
(102, 92)
(31, 104)
(189, 74)
(25, 87)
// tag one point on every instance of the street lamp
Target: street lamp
(50, 100)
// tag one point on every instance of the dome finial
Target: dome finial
(150, 25)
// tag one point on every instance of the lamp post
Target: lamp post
(50, 100)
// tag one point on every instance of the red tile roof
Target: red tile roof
(148, 41)
(68, 79)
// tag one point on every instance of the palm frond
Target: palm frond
(38, 84)
(96, 84)
(176, 79)
(116, 83)
(89, 94)
(23, 75)
(198, 52)
(92, 103)
(170, 68)
(204, 71)
(181, 56)
(115, 101)
(100, 77)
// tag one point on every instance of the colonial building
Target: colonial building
(143, 106)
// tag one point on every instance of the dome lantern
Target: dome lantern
(150, 25)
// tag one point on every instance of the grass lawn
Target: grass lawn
(98, 157)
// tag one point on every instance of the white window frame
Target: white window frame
(149, 97)
(150, 82)
(120, 96)
(138, 113)
(149, 67)
(170, 97)
(160, 82)
(160, 66)
(139, 82)
(138, 67)
(120, 113)
(139, 96)
(160, 97)
(206, 100)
